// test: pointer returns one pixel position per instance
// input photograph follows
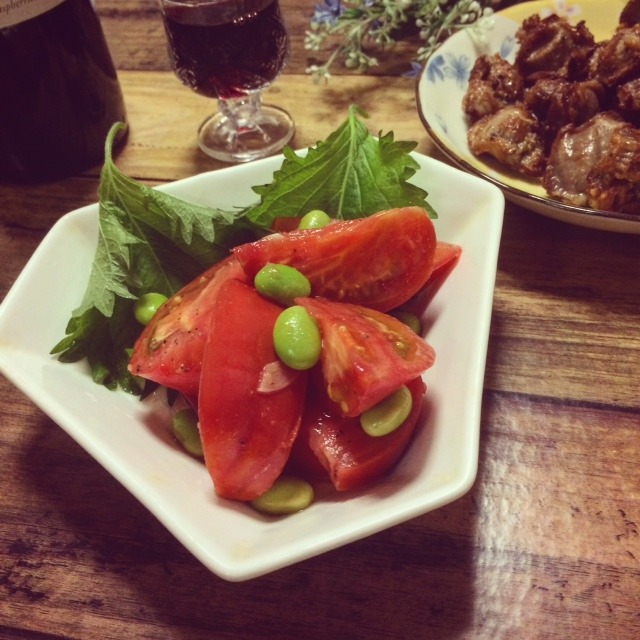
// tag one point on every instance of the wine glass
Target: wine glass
(231, 50)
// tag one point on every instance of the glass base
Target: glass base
(244, 129)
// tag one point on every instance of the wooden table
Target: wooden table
(546, 545)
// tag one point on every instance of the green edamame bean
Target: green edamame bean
(147, 305)
(410, 319)
(184, 425)
(287, 495)
(386, 416)
(281, 283)
(296, 338)
(315, 219)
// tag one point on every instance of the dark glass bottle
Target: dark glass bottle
(59, 92)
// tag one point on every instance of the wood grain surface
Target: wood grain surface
(546, 544)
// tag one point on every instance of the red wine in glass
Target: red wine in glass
(231, 50)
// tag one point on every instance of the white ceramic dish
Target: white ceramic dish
(130, 438)
(443, 83)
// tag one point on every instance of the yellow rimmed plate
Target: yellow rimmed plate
(443, 83)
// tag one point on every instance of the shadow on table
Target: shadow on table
(415, 580)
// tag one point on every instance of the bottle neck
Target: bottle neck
(14, 12)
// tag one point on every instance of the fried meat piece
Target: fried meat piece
(628, 101)
(614, 183)
(493, 83)
(552, 46)
(511, 136)
(617, 60)
(575, 151)
(630, 13)
(557, 102)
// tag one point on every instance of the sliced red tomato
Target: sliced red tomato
(366, 354)
(303, 461)
(169, 349)
(246, 434)
(379, 261)
(445, 259)
(351, 458)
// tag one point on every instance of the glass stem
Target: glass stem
(241, 115)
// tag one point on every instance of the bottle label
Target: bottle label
(17, 11)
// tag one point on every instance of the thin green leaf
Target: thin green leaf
(147, 241)
(111, 274)
(350, 175)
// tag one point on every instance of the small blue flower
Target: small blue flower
(435, 69)
(455, 68)
(327, 13)
(458, 69)
(415, 70)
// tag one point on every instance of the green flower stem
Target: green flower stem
(353, 28)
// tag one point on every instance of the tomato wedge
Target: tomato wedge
(379, 261)
(445, 259)
(246, 434)
(350, 457)
(169, 349)
(366, 354)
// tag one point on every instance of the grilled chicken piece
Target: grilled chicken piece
(575, 152)
(630, 13)
(493, 83)
(557, 102)
(628, 101)
(614, 183)
(617, 60)
(552, 46)
(511, 136)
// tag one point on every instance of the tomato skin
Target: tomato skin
(351, 458)
(379, 261)
(303, 461)
(246, 435)
(366, 354)
(169, 349)
(445, 259)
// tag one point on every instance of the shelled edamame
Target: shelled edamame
(281, 283)
(315, 219)
(287, 495)
(386, 416)
(147, 306)
(297, 339)
(184, 425)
